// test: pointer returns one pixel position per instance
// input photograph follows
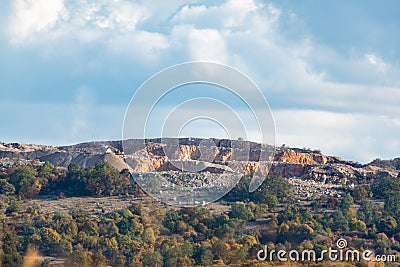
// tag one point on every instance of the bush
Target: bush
(14, 205)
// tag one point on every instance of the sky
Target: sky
(330, 70)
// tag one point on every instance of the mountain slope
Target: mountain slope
(161, 155)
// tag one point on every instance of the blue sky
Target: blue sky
(329, 69)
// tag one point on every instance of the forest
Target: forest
(149, 233)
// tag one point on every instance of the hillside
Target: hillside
(92, 212)
(287, 162)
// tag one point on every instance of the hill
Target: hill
(154, 155)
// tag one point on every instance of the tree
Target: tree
(6, 188)
(358, 225)
(79, 258)
(274, 186)
(10, 257)
(272, 190)
(240, 211)
(382, 242)
(392, 206)
(346, 202)
(47, 171)
(73, 182)
(14, 205)
(368, 212)
(361, 192)
(241, 191)
(64, 224)
(152, 259)
(172, 217)
(267, 198)
(49, 239)
(339, 222)
(23, 179)
(386, 187)
(203, 255)
(177, 254)
(102, 179)
(290, 213)
(98, 259)
(388, 225)
(294, 231)
(148, 236)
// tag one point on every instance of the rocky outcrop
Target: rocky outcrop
(194, 154)
(289, 155)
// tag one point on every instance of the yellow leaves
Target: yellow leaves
(112, 243)
(358, 225)
(353, 212)
(308, 228)
(49, 235)
(136, 245)
(284, 228)
(148, 236)
(35, 238)
(249, 240)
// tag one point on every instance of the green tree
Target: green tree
(382, 242)
(290, 213)
(73, 183)
(346, 202)
(203, 255)
(148, 236)
(98, 259)
(79, 258)
(64, 224)
(241, 190)
(273, 186)
(47, 171)
(368, 212)
(172, 217)
(153, 259)
(6, 188)
(49, 239)
(386, 187)
(388, 225)
(102, 179)
(339, 222)
(241, 211)
(11, 257)
(14, 205)
(23, 179)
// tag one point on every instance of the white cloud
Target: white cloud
(54, 19)
(345, 103)
(118, 15)
(376, 61)
(353, 136)
(207, 44)
(232, 15)
(142, 46)
(30, 17)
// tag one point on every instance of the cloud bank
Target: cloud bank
(70, 67)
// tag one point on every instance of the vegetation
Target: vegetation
(99, 180)
(387, 164)
(149, 234)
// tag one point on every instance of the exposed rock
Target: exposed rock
(190, 154)
(288, 155)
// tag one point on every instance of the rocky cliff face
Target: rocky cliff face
(189, 154)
